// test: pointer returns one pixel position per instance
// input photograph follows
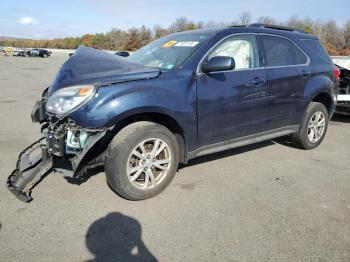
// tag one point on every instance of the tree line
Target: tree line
(335, 38)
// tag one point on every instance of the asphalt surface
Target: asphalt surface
(266, 202)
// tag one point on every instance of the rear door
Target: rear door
(288, 72)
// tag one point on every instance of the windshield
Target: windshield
(170, 51)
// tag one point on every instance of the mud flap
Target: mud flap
(32, 165)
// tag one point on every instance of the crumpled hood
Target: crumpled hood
(95, 67)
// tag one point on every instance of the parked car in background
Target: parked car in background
(39, 52)
(343, 99)
(8, 51)
(20, 52)
(122, 53)
(182, 96)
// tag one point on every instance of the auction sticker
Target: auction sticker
(187, 44)
(169, 44)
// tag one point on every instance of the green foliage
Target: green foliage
(308, 29)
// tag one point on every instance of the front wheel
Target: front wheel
(313, 127)
(141, 160)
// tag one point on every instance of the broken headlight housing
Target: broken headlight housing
(69, 99)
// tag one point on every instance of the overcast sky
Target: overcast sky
(50, 19)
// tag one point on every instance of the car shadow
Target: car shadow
(285, 141)
(85, 177)
(117, 237)
(196, 161)
(340, 118)
(226, 153)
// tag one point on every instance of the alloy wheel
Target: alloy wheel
(149, 163)
(316, 127)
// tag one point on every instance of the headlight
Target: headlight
(67, 99)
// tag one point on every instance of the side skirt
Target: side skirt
(243, 141)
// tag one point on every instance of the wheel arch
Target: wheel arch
(324, 98)
(162, 119)
(320, 89)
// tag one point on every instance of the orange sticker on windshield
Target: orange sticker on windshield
(169, 44)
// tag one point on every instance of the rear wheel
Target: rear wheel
(141, 160)
(313, 127)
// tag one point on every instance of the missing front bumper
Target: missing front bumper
(32, 165)
(53, 152)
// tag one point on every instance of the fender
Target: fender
(318, 84)
(117, 102)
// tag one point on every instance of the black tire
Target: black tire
(300, 139)
(118, 153)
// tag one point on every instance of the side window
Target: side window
(280, 51)
(317, 47)
(243, 49)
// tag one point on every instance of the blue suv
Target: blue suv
(184, 95)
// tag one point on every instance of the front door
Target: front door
(233, 104)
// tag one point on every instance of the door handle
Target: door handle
(256, 82)
(306, 73)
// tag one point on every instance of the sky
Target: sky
(41, 19)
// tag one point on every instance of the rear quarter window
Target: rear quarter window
(318, 49)
(280, 51)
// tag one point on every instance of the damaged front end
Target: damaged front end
(64, 145)
(343, 99)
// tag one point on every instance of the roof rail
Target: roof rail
(237, 26)
(277, 27)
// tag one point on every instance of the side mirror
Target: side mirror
(218, 63)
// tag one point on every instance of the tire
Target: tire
(302, 139)
(120, 160)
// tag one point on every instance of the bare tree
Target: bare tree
(115, 39)
(347, 34)
(145, 35)
(159, 31)
(213, 24)
(331, 34)
(179, 25)
(183, 24)
(245, 18)
(133, 39)
(267, 20)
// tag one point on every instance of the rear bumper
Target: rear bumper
(343, 104)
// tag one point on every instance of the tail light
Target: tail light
(336, 73)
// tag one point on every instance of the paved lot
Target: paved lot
(263, 202)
